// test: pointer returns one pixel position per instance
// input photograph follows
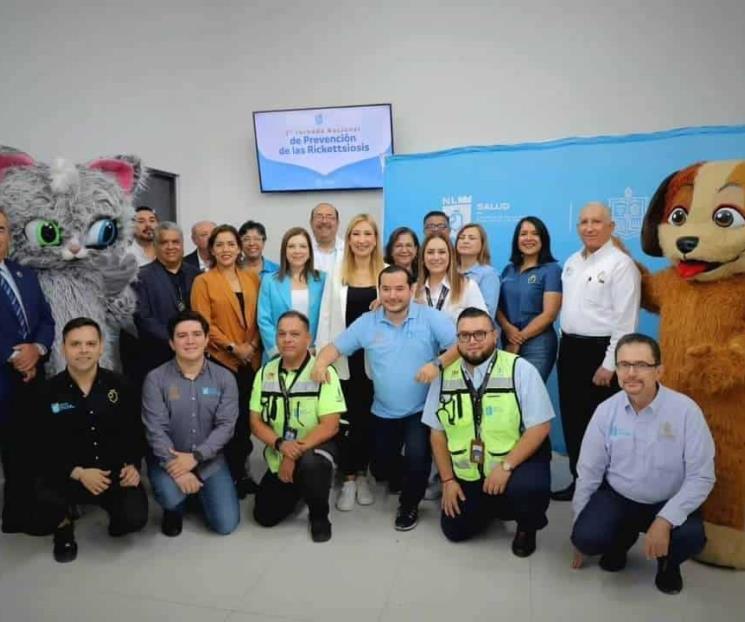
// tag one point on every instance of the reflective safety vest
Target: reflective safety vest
(299, 397)
(501, 420)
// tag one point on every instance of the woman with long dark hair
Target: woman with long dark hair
(403, 250)
(530, 296)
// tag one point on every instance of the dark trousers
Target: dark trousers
(356, 441)
(276, 500)
(127, 507)
(610, 523)
(239, 447)
(525, 500)
(579, 359)
(19, 470)
(411, 473)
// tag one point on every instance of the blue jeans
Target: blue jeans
(540, 351)
(217, 496)
(610, 523)
(411, 474)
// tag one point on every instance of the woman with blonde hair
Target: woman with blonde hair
(440, 285)
(349, 291)
(474, 261)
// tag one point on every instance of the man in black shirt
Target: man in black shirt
(93, 443)
(163, 290)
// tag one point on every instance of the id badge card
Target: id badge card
(290, 434)
(477, 451)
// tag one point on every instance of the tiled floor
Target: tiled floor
(367, 572)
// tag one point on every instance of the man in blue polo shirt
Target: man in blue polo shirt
(402, 340)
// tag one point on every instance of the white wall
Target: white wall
(176, 82)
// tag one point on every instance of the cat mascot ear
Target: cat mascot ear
(10, 158)
(127, 170)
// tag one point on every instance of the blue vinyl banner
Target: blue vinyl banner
(496, 186)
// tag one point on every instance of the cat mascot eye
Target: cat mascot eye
(102, 233)
(42, 233)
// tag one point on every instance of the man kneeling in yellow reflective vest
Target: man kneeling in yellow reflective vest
(297, 419)
(490, 416)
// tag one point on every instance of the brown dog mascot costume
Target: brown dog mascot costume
(697, 220)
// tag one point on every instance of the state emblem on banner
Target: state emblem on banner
(628, 213)
(458, 209)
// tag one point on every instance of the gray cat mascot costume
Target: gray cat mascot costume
(72, 224)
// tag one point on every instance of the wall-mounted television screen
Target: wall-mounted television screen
(339, 148)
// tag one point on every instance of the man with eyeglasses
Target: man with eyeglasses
(328, 249)
(437, 222)
(646, 464)
(490, 416)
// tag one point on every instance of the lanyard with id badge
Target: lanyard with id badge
(289, 433)
(444, 291)
(476, 454)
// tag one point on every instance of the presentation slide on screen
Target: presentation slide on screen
(323, 148)
(496, 186)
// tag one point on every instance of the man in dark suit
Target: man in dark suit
(163, 290)
(200, 234)
(26, 334)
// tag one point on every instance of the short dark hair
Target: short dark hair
(397, 233)
(252, 224)
(144, 208)
(394, 270)
(544, 255)
(436, 213)
(640, 338)
(297, 315)
(223, 229)
(187, 315)
(474, 312)
(80, 322)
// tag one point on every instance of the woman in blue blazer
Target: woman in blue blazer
(296, 285)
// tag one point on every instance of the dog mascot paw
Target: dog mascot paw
(697, 221)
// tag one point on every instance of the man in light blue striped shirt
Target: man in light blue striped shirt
(646, 464)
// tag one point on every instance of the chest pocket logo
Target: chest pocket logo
(211, 391)
(532, 279)
(113, 396)
(60, 407)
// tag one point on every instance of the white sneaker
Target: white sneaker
(434, 490)
(365, 494)
(345, 500)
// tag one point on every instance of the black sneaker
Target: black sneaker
(613, 561)
(320, 529)
(246, 486)
(172, 524)
(65, 547)
(668, 579)
(406, 518)
(565, 494)
(523, 544)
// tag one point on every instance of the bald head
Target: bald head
(200, 235)
(595, 225)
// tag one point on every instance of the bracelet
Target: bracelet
(449, 479)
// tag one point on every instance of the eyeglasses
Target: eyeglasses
(478, 336)
(329, 217)
(401, 247)
(638, 365)
(436, 227)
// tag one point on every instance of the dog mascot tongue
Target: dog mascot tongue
(697, 220)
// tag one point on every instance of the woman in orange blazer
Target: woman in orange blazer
(227, 297)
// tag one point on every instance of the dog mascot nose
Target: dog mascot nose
(687, 244)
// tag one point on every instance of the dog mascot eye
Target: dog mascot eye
(102, 233)
(41, 233)
(678, 217)
(728, 217)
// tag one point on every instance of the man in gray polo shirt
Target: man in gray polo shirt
(189, 407)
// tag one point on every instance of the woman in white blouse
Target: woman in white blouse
(439, 283)
(349, 292)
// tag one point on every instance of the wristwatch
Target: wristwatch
(278, 443)
(506, 466)
(197, 455)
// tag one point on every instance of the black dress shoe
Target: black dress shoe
(668, 579)
(320, 529)
(246, 486)
(524, 543)
(565, 494)
(65, 547)
(613, 561)
(173, 523)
